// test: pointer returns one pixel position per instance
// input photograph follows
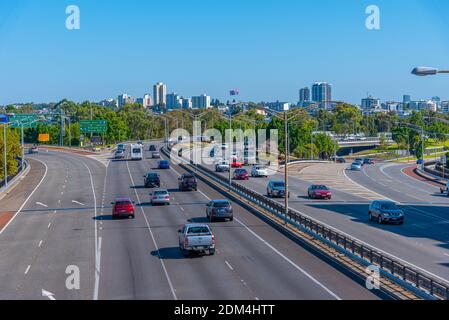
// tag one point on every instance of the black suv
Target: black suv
(152, 180)
(188, 182)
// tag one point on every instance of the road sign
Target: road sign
(3, 119)
(28, 120)
(44, 137)
(93, 126)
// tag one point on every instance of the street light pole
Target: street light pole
(422, 141)
(231, 146)
(286, 165)
(4, 156)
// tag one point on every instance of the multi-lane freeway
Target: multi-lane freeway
(422, 242)
(66, 224)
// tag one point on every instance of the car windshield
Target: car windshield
(160, 193)
(278, 184)
(321, 188)
(198, 230)
(136, 150)
(241, 171)
(152, 175)
(388, 206)
(123, 203)
(221, 204)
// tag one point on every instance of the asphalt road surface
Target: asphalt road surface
(423, 241)
(66, 225)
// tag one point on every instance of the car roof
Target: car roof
(384, 201)
(160, 190)
(220, 201)
(276, 181)
(191, 225)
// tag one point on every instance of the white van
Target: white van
(136, 152)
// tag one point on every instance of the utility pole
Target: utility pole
(422, 137)
(231, 147)
(4, 155)
(286, 164)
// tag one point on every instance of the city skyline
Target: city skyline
(267, 63)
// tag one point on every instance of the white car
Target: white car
(222, 166)
(136, 152)
(160, 196)
(259, 171)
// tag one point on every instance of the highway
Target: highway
(67, 222)
(421, 242)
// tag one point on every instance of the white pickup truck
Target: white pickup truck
(196, 238)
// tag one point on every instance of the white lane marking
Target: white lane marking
(369, 191)
(289, 261)
(77, 202)
(40, 244)
(152, 236)
(182, 209)
(97, 253)
(41, 204)
(229, 265)
(49, 225)
(62, 193)
(27, 199)
(281, 254)
(27, 269)
(277, 251)
(48, 294)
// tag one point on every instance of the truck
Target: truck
(196, 238)
(136, 152)
(445, 190)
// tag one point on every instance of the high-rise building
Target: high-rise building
(174, 101)
(186, 103)
(370, 103)
(201, 102)
(406, 99)
(124, 99)
(322, 93)
(445, 106)
(159, 94)
(304, 96)
(147, 101)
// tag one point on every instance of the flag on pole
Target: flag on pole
(234, 92)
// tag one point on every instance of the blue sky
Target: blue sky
(267, 48)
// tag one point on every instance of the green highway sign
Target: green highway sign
(93, 126)
(28, 120)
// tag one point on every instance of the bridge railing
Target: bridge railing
(420, 283)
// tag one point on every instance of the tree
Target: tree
(13, 151)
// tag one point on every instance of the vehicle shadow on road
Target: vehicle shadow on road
(138, 187)
(172, 253)
(198, 220)
(106, 217)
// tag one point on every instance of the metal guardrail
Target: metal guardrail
(11, 177)
(423, 285)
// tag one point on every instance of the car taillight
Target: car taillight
(213, 239)
(186, 242)
(167, 197)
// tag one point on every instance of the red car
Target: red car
(123, 208)
(319, 192)
(241, 174)
(236, 164)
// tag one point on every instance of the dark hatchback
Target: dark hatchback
(219, 209)
(152, 180)
(187, 182)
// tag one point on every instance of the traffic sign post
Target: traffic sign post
(3, 119)
(25, 120)
(93, 126)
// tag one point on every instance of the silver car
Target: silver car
(160, 196)
(356, 166)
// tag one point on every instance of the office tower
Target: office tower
(322, 93)
(370, 103)
(406, 99)
(174, 101)
(201, 102)
(124, 99)
(159, 94)
(304, 96)
(187, 103)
